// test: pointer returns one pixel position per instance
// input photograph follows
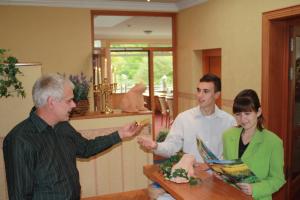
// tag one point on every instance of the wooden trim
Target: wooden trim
(287, 12)
(151, 90)
(175, 82)
(141, 194)
(208, 57)
(265, 66)
(173, 16)
(267, 19)
(92, 115)
(187, 95)
(206, 54)
(133, 49)
(132, 13)
(191, 96)
(212, 52)
(275, 84)
(92, 35)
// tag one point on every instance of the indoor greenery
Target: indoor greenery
(166, 169)
(166, 166)
(9, 83)
(81, 86)
(162, 135)
(132, 67)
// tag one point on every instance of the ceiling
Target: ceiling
(133, 27)
(122, 27)
(161, 1)
(136, 5)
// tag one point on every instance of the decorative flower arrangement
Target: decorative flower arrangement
(81, 86)
(166, 165)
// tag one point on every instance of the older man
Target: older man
(40, 152)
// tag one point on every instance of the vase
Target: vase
(82, 107)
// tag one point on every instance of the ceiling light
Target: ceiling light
(148, 0)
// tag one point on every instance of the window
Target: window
(163, 71)
(129, 68)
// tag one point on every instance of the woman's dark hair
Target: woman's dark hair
(248, 101)
(214, 79)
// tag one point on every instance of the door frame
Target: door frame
(275, 81)
(206, 55)
(173, 16)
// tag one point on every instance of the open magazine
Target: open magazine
(232, 171)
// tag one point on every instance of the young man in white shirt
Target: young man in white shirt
(205, 121)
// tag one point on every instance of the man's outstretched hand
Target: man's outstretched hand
(130, 130)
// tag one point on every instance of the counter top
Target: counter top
(211, 188)
(117, 113)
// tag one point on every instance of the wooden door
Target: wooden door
(211, 59)
(280, 92)
(294, 123)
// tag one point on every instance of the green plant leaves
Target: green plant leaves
(9, 84)
(81, 86)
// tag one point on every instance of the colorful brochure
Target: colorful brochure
(232, 171)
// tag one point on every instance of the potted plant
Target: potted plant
(81, 92)
(9, 83)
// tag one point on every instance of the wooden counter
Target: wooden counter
(118, 169)
(116, 113)
(210, 188)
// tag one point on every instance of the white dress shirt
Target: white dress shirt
(192, 124)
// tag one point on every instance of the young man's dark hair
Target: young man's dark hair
(212, 78)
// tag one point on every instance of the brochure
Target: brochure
(232, 171)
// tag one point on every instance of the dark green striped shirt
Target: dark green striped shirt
(40, 161)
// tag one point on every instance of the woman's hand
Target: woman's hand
(246, 188)
(147, 143)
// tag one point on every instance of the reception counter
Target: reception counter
(120, 168)
(211, 188)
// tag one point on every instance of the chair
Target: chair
(164, 110)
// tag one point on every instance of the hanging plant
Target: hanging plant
(9, 84)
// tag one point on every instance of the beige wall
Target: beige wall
(235, 27)
(59, 38)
